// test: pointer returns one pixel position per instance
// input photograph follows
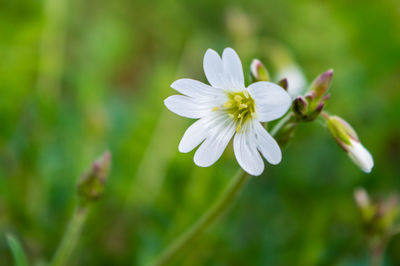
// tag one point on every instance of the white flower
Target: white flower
(228, 109)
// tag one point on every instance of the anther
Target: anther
(228, 104)
(238, 98)
(242, 106)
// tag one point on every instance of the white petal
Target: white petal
(233, 70)
(271, 100)
(196, 89)
(213, 147)
(267, 145)
(244, 145)
(198, 132)
(187, 106)
(213, 69)
(360, 156)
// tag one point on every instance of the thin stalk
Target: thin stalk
(281, 123)
(213, 213)
(71, 236)
(377, 257)
(377, 251)
(51, 53)
(207, 219)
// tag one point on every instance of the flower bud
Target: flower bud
(361, 197)
(283, 83)
(322, 83)
(347, 138)
(91, 184)
(378, 216)
(364, 204)
(300, 106)
(258, 71)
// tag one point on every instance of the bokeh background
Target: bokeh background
(79, 77)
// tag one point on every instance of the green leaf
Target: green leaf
(17, 251)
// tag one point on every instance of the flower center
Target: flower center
(239, 107)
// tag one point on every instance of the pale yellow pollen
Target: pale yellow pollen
(215, 108)
(228, 104)
(238, 98)
(242, 106)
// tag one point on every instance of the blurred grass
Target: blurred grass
(109, 67)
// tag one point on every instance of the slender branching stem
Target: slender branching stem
(281, 123)
(207, 219)
(71, 235)
(212, 214)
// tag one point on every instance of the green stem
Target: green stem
(219, 207)
(377, 255)
(216, 210)
(281, 123)
(71, 236)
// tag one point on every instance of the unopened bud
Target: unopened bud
(300, 106)
(91, 184)
(347, 138)
(361, 197)
(322, 83)
(258, 71)
(283, 83)
(310, 96)
(367, 209)
(318, 109)
(378, 216)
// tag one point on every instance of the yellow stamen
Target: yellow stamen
(238, 98)
(242, 106)
(227, 104)
(215, 108)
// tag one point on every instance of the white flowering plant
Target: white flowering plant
(227, 108)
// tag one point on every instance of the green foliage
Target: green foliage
(16, 250)
(111, 65)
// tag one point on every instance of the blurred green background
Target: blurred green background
(78, 77)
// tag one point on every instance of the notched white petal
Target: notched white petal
(213, 69)
(198, 132)
(196, 89)
(267, 145)
(271, 100)
(193, 136)
(244, 145)
(233, 70)
(186, 106)
(213, 147)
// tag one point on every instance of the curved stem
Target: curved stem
(71, 236)
(281, 123)
(216, 210)
(219, 207)
(376, 257)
